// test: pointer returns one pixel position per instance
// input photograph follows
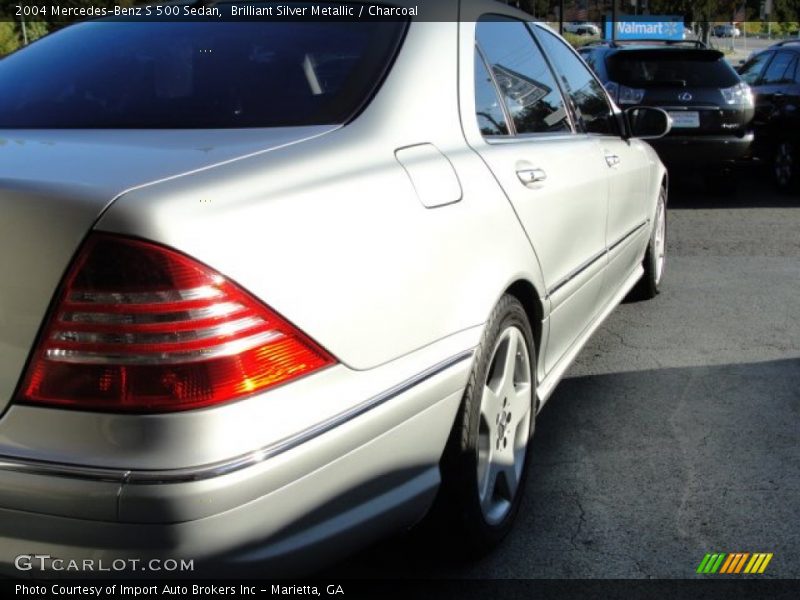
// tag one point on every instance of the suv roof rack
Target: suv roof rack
(621, 43)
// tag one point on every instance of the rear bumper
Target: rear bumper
(686, 151)
(288, 510)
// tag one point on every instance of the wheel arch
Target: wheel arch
(527, 294)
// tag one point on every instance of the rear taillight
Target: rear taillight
(139, 327)
(740, 95)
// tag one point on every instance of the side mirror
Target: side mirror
(648, 122)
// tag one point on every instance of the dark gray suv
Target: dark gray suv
(711, 106)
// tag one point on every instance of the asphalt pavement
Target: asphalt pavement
(677, 431)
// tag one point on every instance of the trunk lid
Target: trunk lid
(55, 184)
(699, 111)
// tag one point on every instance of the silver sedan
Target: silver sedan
(273, 289)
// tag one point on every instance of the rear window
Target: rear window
(132, 75)
(671, 68)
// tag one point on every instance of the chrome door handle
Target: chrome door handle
(528, 176)
(612, 160)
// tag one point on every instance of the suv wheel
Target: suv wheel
(786, 166)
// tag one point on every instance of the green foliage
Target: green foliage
(11, 36)
(786, 27)
(755, 28)
(9, 41)
(35, 29)
(578, 40)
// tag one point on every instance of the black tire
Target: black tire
(457, 516)
(786, 166)
(649, 286)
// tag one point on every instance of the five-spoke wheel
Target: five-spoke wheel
(485, 464)
(505, 424)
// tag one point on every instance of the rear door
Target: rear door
(752, 69)
(777, 92)
(555, 179)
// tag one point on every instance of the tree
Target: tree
(35, 29)
(785, 11)
(11, 35)
(9, 41)
(541, 9)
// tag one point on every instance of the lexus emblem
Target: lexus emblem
(685, 97)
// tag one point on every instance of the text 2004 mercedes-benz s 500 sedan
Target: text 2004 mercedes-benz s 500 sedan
(271, 290)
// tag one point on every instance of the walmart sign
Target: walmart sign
(650, 27)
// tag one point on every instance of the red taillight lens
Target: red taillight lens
(139, 327)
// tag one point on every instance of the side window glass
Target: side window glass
(791, 75)
(777, 68)
(526, 83)
(752, 69)
(488, 110)
(592, 109)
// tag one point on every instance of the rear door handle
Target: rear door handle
(528, 176)
(612, 160)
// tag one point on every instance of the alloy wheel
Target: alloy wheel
(660, 240)
(505, 425)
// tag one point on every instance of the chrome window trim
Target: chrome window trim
(528, 137)
(510, 125)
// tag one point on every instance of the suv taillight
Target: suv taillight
(623, 94)
(740, 95)
(138, 327)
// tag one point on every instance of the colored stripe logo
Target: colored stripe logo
(734, 563)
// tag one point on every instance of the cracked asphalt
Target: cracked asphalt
(677, 430)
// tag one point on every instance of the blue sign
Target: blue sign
(646, 27)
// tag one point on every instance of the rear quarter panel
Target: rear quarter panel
(331, 234)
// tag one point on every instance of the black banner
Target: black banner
(507, 589)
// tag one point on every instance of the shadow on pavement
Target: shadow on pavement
(638, 474)
(751, 187)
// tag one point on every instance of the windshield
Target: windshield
(673, 68)
(104, 74)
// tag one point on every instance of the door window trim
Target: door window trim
(514, 136)
(535, 31)
(510, 125)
